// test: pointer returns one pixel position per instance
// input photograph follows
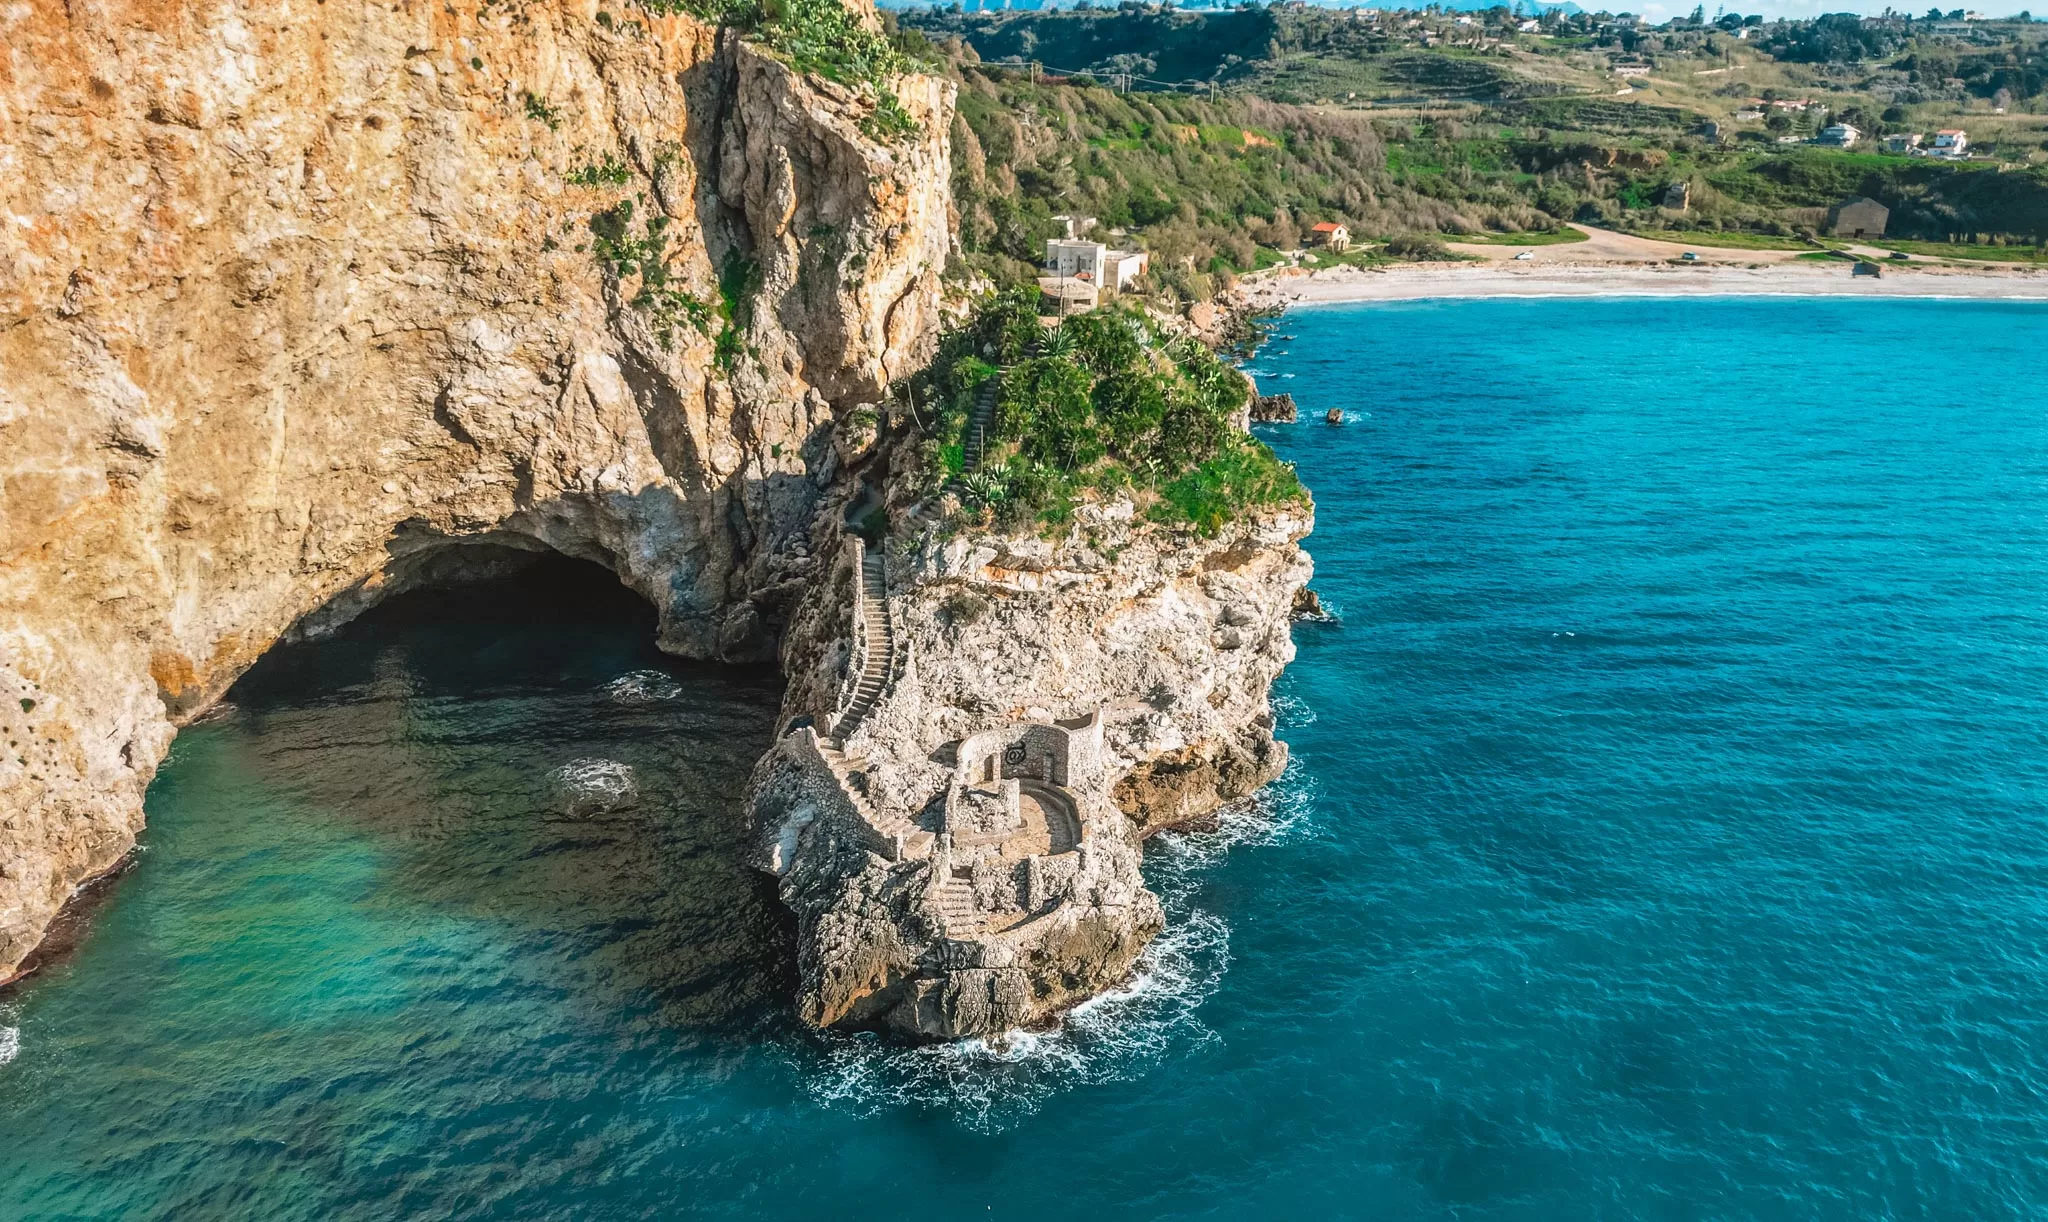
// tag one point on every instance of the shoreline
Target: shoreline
(1421, 282)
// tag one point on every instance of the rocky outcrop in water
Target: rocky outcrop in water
(296, 296)
(963, 857)
(1274, 409)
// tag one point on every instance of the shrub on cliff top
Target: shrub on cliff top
(1097, 406)
(819, 38)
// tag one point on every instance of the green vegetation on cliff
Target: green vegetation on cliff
(1097, 406)
(820, 38)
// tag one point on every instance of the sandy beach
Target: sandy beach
(1611, 264)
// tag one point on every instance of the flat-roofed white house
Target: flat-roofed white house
(1111, 271)
(1840, 135)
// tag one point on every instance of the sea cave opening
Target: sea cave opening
(513, 772)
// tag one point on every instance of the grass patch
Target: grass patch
(610, 172)
(1724, 239)
(640, 250)
(1964, 250)
(819, 38)
(1244, 474)
(1101, 405)
(541, 110)
(1539, 237)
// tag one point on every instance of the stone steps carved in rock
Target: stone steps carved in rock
(879, 665)
(974, 442)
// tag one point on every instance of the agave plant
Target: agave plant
(1057, 343)
(984, 488)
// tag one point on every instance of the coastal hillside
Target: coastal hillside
(1219, 139)
(405, 298)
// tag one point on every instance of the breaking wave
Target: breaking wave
(10, 1044)
(1292, 712)
(989, 1085)
(593, 786)
(642, 687)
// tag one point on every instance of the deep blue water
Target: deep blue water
(1665, 839)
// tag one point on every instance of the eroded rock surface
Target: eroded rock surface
(295, 294)
(1121, 673)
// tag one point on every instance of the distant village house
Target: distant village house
(1951, 142)
(1839, 135)
(1902, 142)
(1858, 217)
(1332, 235)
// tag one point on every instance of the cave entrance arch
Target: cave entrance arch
(504, 739)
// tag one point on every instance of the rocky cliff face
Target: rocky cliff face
(963, 857)
(295, 295)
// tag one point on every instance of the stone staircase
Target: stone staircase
(878, 661)
(975, 442)
(911, 840)
(953, 901)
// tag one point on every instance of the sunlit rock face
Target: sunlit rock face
(966, 860)
(296, 291)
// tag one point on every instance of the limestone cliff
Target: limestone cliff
(295, 294)
(960, 842)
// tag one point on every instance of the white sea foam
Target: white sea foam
(1292, 711)
(591, 786)
(1175, 862)
(643, 687)
(989, 1085)
(10, 1044)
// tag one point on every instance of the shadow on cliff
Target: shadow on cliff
(516, 752)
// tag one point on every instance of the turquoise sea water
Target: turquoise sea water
(1665, 839)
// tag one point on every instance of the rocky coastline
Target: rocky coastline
(332, 318)
(962, 854)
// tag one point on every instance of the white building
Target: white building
(1112, 271)
(1951, 142)
(1332, 235)
(1840, 135)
